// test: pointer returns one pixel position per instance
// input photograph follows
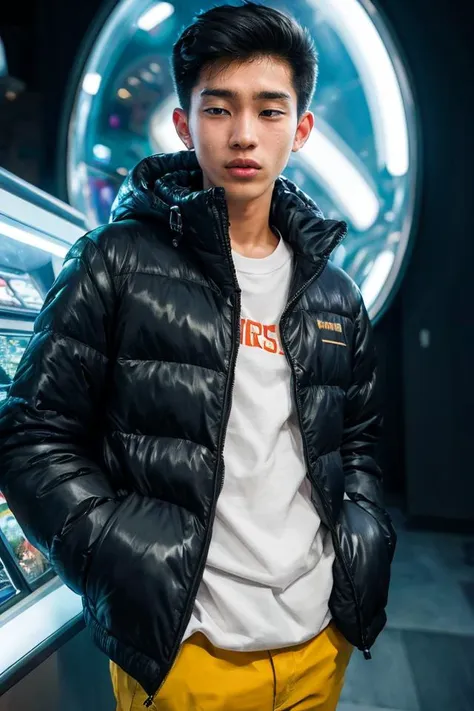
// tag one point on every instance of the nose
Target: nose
(244, 132)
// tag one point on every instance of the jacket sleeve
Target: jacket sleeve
(362, 426)
(50, 468)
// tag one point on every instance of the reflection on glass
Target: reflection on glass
(32, 563)
(18, 291)
(358, 165)
(7, 295)
(7, 589)
(26, 291)
(26, 273)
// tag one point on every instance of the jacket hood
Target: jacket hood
(169, 187)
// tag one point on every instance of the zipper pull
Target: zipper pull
(176, 224)
(367, 654)
(149, 702)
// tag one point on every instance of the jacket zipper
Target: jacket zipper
(284, 317)
(228, 402)
(235, 342)
(220, 478)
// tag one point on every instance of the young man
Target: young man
(190, 434)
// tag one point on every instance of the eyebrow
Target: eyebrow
(229, 94)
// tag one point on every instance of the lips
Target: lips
(244, 163)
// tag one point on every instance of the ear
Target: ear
(303, 131)
(181, 125)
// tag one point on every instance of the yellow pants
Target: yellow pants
(205, 678)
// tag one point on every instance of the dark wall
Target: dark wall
(69, 24)
(436, 318)
(391, 451)
(20, 120)
(42, 42)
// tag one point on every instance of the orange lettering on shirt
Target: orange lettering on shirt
(252, 333)
(270, 343)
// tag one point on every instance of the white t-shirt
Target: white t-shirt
(268, 575)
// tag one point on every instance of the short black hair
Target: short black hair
(241, 33)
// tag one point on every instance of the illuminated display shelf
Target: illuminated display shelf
(36, 231)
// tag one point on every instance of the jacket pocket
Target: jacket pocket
(93, 552)
(361, 573)
(383, 520)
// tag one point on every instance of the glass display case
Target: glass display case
(359, 164)
(23, 569)
(36, 231)
(30, 562)
(7, 586)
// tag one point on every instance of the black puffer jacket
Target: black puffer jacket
(112, 436)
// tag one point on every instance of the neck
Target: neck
(250, 232)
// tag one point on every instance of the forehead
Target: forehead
(248, 77)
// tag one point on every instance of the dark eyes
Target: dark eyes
(212, 112)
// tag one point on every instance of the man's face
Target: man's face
(244, 111)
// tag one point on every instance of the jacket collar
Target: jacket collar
(169, 187)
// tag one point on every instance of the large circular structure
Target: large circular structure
(360, 163)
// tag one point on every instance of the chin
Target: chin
(245, 191)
